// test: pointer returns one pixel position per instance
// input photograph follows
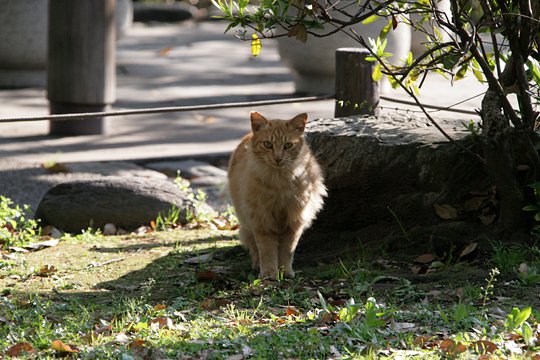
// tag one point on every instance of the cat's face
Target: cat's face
(277, 142)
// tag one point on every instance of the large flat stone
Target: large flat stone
(394, 162)
(127, 202)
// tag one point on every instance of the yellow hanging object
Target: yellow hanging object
(255, 45)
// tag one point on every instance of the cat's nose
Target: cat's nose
(278, 160)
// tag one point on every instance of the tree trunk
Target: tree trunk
(500, 164)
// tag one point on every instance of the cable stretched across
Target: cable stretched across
(91, 115)
(83, 116)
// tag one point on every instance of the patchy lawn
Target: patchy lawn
(190, 294)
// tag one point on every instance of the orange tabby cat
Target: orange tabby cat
(277, 189)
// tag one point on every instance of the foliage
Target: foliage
(496, 41)
(197, 213)
(535, 208)
(161, 304)
(16, 227)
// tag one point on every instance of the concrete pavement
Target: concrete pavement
(170, 65)
(180, 64)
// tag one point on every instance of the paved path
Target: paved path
(200, 66)
(168, 65)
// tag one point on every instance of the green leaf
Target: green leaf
(462, 71)
(385, 30)
(531, 208)
(371, 19)
(523, 315)
(409, 59)
(377, 72)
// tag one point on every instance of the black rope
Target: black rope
(83, 116)
(159, 110)
(427, 106)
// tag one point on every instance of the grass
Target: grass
(191, 294)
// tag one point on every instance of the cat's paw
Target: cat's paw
(289, 274)
(268, 274)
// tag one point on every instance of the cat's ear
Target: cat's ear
(298, 122)
(257, 121)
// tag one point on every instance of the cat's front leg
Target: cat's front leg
(247, 238)
(287, 246)
(267, 245)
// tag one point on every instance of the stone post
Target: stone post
(356, 92)
(81, 63)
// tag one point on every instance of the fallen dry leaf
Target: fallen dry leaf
(213, 304)
(20, 349)
(445, 211)
(474, 203)
(451, 347)
(290, 311)
(138, 342)
(165, 51)
(59, 346)
(523, 269)
(207, 275)
(484, 346)
(161, 322)
(42, 244)
(425, 259)
(421, 340)
(159, 307)
(487, 219)
(329, 317)
(46, 270)
(55, 167)
(418, 269)
(468, 249)
(200, 259)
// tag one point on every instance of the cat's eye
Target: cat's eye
(267, 144)
(287, 145)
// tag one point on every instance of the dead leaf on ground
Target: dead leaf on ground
(204, 118)
(46, 270)
(165, 51)
(42, 244)
(445, 211)
(213, 304)
(55, 167)
(421, 340)
(425, 259)
(200, 259)
(290, 311)
(451, 347)
(20, 349)
(329, 317)
(51, 231)
(468, 249)
(207, 275)
(59, 346)
(474, 203)
(418, 269)
(161, 322)
(487, 219)
(484, 346)
(17, 249)
(402, 326)
(159, 307)
(138, 342)
(386, 264)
